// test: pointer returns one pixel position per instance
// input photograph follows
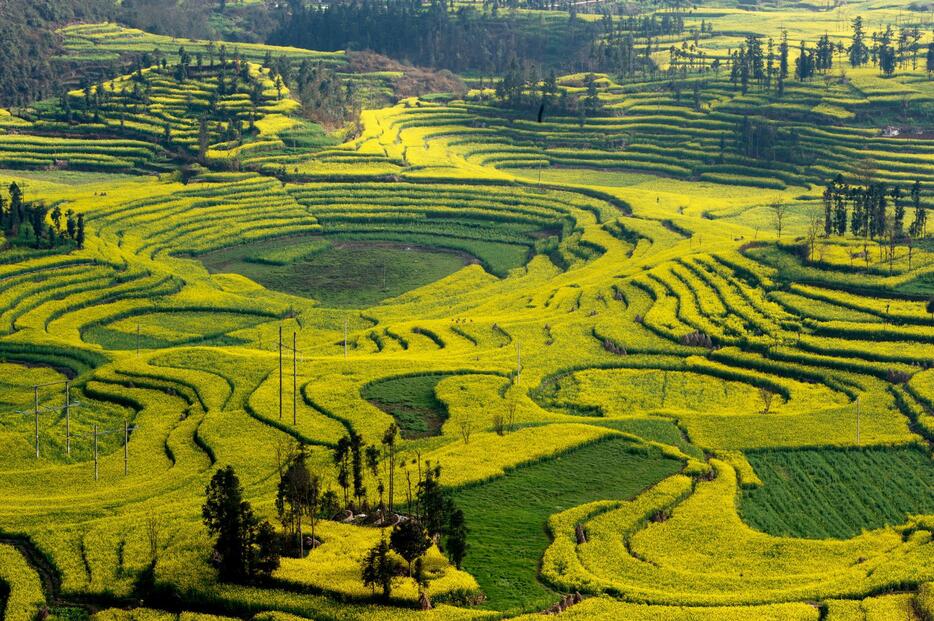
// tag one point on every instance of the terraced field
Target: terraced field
(633, 387)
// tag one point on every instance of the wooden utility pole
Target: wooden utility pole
(294, 378)
(126, 447)
(280, 372)
(518, 362)
(95, 453)
(857, 422)
(35, 393)
(68, 418)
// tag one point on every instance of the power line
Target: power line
(36, 410)
(95, 434)
(295, 351)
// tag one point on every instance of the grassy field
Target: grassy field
(837, 494)
(411, 401)
(339, 273)
(585, 321)
(507, 516)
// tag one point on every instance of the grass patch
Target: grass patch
(658, 429)
(347, 274)
(411, 401)
(168, 329)
(834, 493)
(507, 516)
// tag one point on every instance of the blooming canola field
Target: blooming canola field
(599, 306)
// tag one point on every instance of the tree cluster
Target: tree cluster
(889, 50)
(865, 210)
(764, 140)
(439, 34)
(434, 519)
(35, 223)
(28, 43)
(245, 549)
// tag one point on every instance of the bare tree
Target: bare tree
(815, 224)
(511, 414)
(499, 424)
(466, 427)
(865, 170)
(779, 211)
(767, 396)
(152, 531)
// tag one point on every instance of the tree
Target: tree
(930, 307)
(918, 226)
(432, 503)
(887, 59)
(782, 63)
(202, 138)
(298, 495)
(827, 198)
(79, 234)
(859, 53)
(372, 456)
(264, 553)
(342, 462)
(814, 221)
(356, 458)
(779, 211)
(466, 428)
(767, 396)
(379, 568)
(15, 216)
(410, 540)
(456, 542)
(593, 97)
(243, 548)
(898, 221)
(420, 576)
(389, 441)
(930, 60)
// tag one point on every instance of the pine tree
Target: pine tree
(379, 569)
(782, 63)
(898, 219)
(79, 234)
(243, 548)
(887, 57)
(859, 53)
(456, 542)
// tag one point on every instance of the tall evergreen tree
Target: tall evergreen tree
(858, 51)
(243, 548)
(782, 63)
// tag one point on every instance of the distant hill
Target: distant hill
(28, 42)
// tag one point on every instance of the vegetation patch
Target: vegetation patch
(338, 273)
(837, 493)
(507, 516)
(168, 329)
(411, 401)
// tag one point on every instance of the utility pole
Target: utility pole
(280, 372)
(857, 422)
(518, 362)
(126, 447)
(35, 393)
(294, 378)
(68, 418)
(95, 453)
